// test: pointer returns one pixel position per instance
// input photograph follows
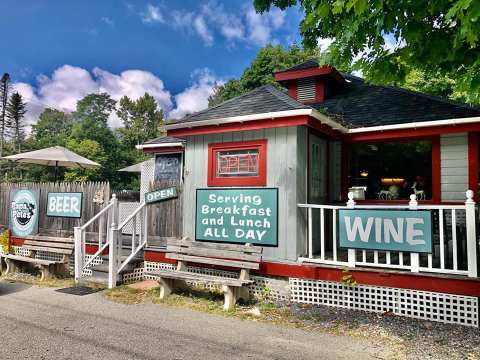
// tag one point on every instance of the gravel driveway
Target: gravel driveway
(40, 323)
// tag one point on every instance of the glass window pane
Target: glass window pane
(237, 163)
(391, 171)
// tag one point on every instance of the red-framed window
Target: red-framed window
(242, 163)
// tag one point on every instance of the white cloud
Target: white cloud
(202, 29)
(195, 97)
(108, 21)
(211, 19)
(324, 43)
(152, 14)
(68, 84)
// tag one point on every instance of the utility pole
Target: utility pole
(4, 86)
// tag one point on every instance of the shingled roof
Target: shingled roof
(356, 104)
(164, 140)
(263, 99)
(360, 104)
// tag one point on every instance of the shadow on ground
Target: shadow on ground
(10, 287)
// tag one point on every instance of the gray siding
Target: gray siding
(335, 171)
(283, 157)
(454, 166)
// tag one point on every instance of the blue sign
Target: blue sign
(387, 230)
(238, 216)
(64, 204)
(24, 212)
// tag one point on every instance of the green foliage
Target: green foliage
(260, 72)
(435, 37)
(52, 128)
(15, 112)
(348, 279)
(91, 150)
(141, 120)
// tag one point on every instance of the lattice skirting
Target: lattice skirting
(417, 304)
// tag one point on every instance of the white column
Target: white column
(77, 234)
(351, 252)
(414, 257)
(471, 234)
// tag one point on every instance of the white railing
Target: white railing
(107, 218)
(138, 220)
(454, 238)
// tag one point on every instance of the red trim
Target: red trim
(293, 89)
(298, 74)
(320, 90)
(473, 169)
(414, 132)
(260, 180)
(324, 129)
(157, 256)
(436, 171)
(250, 125)
(16, 241)
(158, 150)
(344, 170)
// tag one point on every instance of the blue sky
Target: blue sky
(57, 51)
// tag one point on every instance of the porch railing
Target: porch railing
(453, 233)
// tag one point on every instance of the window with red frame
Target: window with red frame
(237, 163)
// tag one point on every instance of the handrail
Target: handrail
(384, 206)
(100, 213)
(99, 251)
(131, 216)
(131, 256)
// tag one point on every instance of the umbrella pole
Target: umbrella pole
(56, 168)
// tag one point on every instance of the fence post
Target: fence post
(414, 257)
(79, 256)
(351, 252)
(113, 245)
(471, 234)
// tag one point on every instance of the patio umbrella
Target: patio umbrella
(53, 156)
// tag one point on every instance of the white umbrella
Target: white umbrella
(53, 156)
(136, 168)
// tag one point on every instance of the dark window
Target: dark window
(391, 170)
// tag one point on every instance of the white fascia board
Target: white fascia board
(150, 146)
(415, 125)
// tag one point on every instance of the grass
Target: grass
(52, 282)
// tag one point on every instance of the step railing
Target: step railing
(107, 219)
(138, 221)
(454, 232)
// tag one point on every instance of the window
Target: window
(390, 170)
(237, 163)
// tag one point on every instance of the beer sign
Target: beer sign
(64, 204)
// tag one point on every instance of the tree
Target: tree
(53, 128)
(15, 112)
(4, 90)
(91, 150)
(141, 119)
(385, 39)
(260, 72)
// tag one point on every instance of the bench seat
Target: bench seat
(55, 245)
(184, 251)
(189, 276)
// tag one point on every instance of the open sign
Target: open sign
(64, 204)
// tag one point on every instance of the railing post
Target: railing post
(79, 256)
(351, 252)
(471, 234)
(113, 245)
(414, 257)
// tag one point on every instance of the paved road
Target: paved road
(39, 323)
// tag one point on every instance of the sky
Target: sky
(58, 51)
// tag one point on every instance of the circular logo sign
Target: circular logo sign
(23, 213)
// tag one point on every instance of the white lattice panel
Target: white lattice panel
(425, 305)
(135, 275)
(97, 261)
(147, 176)
(125, 209)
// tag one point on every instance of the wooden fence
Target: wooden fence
(58, 226)
(165, 218)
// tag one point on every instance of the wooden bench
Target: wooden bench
(185, 251)
(55, 245)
